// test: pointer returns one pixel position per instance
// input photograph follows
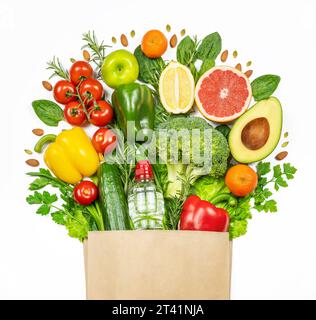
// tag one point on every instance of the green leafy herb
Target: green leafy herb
(77, 219)
(58, 69)
(264, 86)
(262, 194)
(210, 47)
(149, 69)
(48, 111)
(187, 50)
(97, 49)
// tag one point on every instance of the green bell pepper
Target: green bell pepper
(134, 108)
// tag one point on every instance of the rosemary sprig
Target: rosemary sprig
(58, 69)
(97, 49)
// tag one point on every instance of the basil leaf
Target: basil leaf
(186, 51)
(264, 86)
(149, 69)
(48, 111)
(206, 65)
(210, 47)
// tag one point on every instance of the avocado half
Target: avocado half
(257, 132)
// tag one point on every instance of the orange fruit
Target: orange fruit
(241, 180)
(154, 44)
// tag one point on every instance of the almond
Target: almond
(238, 66)
(248, 73)
(173, 41)
(32, 162)
(86, 55)
(38, 132)
(224, 55)
(47, 85)
(124, 40)
(280, 156)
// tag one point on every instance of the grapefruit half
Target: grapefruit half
(223, 94)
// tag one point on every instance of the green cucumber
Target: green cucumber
(113, 203)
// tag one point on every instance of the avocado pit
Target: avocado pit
(256, 133)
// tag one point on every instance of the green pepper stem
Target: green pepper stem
(42, 141)
(224, 197)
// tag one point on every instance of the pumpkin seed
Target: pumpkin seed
(286, 134)
(182, 32)
(284, 144)
(168, 27)
(132, 33)
(27, 151)
(114, 40)
(249, 63)
(235, 54)
(72, 60)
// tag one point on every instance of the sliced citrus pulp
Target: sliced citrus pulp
(223, 94)
(176, 88)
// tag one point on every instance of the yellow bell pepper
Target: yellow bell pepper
(72, 156)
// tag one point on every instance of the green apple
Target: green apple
(119, 67)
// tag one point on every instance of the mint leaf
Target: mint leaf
(58, 217)
(36, 198)
(43, 209)
(263, 168)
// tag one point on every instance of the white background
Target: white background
(277, 257)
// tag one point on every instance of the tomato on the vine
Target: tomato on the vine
(80, 71)
(85, 192)
(74, 113)
(104, 140)
(64, 91)
(101, 113)
(91, 90)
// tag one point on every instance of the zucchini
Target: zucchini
(113, 203)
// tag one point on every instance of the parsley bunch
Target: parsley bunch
(62, 207)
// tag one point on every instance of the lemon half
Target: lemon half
(176, 88)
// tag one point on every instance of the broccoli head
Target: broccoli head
(190, 148)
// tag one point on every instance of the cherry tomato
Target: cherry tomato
(80, 71)
(74, 113)
(85, 192)
(101, 113)
(64, 91)
(104, 140)
(91, 90)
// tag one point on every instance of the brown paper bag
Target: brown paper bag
(157, 265)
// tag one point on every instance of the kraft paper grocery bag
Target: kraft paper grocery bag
(157, 265)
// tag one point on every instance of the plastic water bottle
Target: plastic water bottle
(145, 203)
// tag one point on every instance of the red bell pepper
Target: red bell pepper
(201, 215)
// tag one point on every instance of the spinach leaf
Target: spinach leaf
(48, 111)
(206, 65)
(186, 51)
(210, 47)
(149, 69)
(264, 86)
